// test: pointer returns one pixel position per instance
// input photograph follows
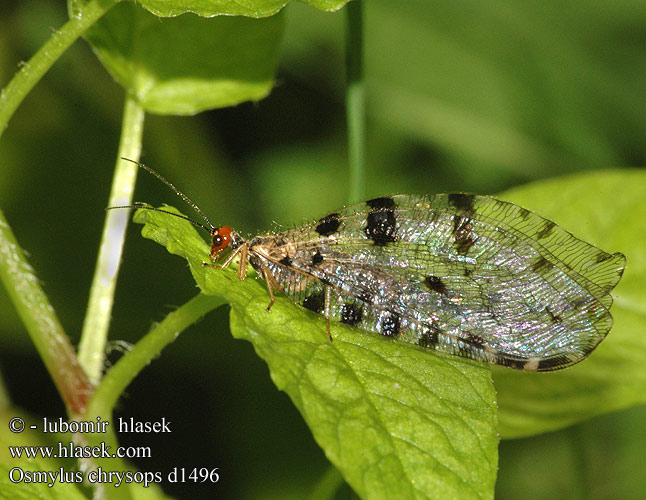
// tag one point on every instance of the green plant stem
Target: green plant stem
(126, 369)
(108, 464)
(33, 70)
(355, 100)
(41, 322)
(97, 319)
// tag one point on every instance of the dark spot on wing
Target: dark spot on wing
(385, 203)
(579, 302)
(555, 317)
(317, 258)
(603, 256)
(429, 338)
(390, 325)
(461, 224)
(365, 297)
(435, 284)
(380, 227)
(285, 261)
(523, 213)
(462, 230)
(461, 201)
(470, 346)
(542, 265)
(351, 314)
(549, 225)
(553, 363)
(518, 364)
(315, 302)
(475, 341)
(328, 225)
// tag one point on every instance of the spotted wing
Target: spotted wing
(468, 275)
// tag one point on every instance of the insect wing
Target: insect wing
(467, 275)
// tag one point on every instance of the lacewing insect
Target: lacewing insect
(463, 274)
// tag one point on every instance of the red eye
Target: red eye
(220, 240)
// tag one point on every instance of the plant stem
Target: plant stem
(41, 322)
(355, 100)
(126, 369)
(97, 319)
(33, 70)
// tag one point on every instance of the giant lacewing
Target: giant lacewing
(463, 274)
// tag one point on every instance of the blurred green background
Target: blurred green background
(472, 96)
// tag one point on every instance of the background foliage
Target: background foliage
(471, 96)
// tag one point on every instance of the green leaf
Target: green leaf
(607, 209)
(188, 64)
(185, 64)
(251, 8)
(397, 421)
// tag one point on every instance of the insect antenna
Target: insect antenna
(143, 206)
(186, 199)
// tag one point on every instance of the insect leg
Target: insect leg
(326, 312)
(242, 266)
(231, 256)
(271, 282)
(242, 262)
